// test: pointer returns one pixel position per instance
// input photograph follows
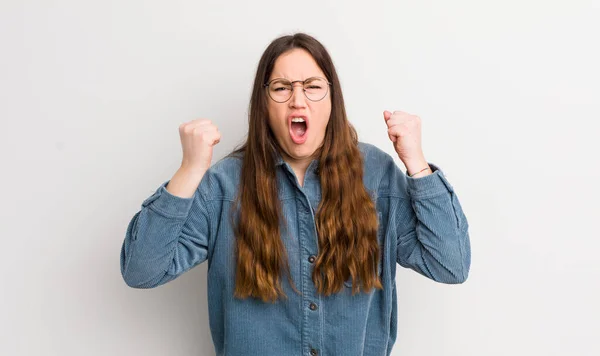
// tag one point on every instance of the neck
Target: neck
(299, 166)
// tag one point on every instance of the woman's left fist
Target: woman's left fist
(404, 130)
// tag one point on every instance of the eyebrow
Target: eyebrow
(307, 78)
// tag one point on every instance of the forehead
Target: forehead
(296, 64)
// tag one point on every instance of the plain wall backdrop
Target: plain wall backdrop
(92, 94)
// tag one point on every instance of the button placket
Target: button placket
(312, 322)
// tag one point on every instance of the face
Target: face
(298, 141)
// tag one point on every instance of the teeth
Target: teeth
(297, 119)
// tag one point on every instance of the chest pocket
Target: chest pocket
(380, 233)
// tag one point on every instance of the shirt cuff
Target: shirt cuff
(168, 204)
(429, 185)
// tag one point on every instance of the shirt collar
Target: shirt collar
(278, 158)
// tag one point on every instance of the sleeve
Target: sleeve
(167, 237)
(432, 229)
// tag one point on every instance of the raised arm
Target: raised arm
(170, 234)
(432, 229)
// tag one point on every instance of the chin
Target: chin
(301, 151)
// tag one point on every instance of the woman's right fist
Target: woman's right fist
(197, 140)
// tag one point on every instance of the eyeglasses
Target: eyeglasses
(280, 90)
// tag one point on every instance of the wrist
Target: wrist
(192, 171)
(420, 173)
(416, 165)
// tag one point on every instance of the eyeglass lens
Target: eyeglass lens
(315, 89)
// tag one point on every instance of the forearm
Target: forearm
(435, 240)
(185, 182)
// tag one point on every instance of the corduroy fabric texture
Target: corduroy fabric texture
(421, 226)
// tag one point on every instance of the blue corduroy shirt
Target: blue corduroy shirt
(421, 226)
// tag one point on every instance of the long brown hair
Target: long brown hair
(346, 218)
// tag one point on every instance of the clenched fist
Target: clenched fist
(198, 137)
(404, 130)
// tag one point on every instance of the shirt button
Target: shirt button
(313, 306)
(313, 352)
(311, 259)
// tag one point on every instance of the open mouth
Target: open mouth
(298, 129)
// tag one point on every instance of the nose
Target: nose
(298, 100)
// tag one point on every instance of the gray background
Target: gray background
(92, 94)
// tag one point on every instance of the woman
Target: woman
(304, 200)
